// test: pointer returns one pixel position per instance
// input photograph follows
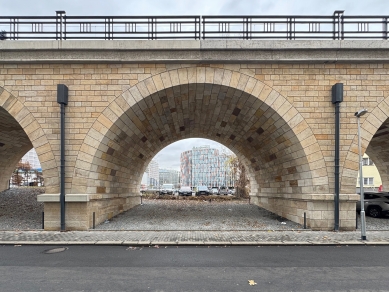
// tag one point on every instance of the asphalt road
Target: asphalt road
(122, 268)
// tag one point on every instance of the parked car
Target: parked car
(202, 190)
(167, 189)
(185, 191)
(215, 191)
(231, 190)
(223, 190)
(376, 204)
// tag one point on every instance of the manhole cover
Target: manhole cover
(56, 250)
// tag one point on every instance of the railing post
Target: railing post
(385, 28)
(338, 25)
(14, 28)
(198, 27)
(203, 31)
(60, 27)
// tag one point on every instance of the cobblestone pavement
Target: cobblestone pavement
(157, 238)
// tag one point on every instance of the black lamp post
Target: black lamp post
(62, 99)
(358, 114)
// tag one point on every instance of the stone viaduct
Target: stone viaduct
(267, 101)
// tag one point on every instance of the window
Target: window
(368, 181)
(367, 161)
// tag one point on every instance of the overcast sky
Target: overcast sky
(190, 7)
(169, 157)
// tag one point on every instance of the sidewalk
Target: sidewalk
(194, 238)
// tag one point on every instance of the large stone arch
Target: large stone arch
(256, 122)
(19, 132)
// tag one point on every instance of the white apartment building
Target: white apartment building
(153, 174)
(32, 158)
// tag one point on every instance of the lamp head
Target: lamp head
(360, 113)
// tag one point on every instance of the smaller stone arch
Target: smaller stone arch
(375, 140)
(23, 132)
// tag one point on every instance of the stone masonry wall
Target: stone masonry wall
(93, 86)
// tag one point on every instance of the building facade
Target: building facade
(371, 176)
(152, 173)
(205, 166)
(32, 158)
(169, 176)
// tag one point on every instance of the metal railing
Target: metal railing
(63, 27)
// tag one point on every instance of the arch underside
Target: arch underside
(138, 130)
(14, 143)
(20, 132)
(378, 151)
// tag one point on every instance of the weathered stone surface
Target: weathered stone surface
(277, 117)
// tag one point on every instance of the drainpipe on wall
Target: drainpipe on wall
(62, 99)
(337, 98)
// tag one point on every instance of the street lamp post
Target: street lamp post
(358, 114)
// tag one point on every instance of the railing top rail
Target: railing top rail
(103, 17)
(190, 16)
(62, 27)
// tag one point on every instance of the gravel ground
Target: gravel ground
(197, 215)
(19, 209)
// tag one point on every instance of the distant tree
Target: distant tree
(21, 173)
(16, 179)
(239, 175)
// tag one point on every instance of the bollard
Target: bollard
(94, 220)
(43, 220)
(305, 220)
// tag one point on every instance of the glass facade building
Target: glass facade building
(168, 176)
(206, 167)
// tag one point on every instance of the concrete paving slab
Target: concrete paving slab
(69, 242)
(217, 243)
(270, 243)
(163, 242)
(350, 243)
(87, 242)
(131, 242)
(323, 242)
(297, 243)
(377, 243)
(109, 242)
(58, 242)
(190, 243)
(244, 242)
(21, 242)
